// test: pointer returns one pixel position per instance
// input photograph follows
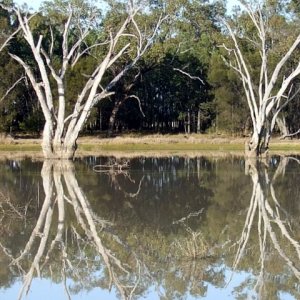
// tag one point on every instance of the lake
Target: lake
(150, 228)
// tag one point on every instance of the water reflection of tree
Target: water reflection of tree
(77, 247)
(69, 240)
(133, 215)
(275, 231)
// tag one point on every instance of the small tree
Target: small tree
(269, 91)
(47, 73)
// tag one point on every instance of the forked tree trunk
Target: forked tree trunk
(62, 148)
(258, 145)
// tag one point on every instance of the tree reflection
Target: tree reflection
(168, 225)
(67, 237)
(275, 229)
(52, 237)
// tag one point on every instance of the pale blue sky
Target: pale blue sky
(36, 3)
(31, 3)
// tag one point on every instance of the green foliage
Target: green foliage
(58, 11)
(228, 96)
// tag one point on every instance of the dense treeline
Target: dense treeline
(181, 84)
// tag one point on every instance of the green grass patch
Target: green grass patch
(126, 146)
(285, 147)
(20, 147)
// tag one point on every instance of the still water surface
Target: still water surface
(159, 228)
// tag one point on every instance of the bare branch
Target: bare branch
(117, 56)
(139, 102)
(28, 35)
(9, 39)
(290, 135)
(281, 64)
(244, 70)
(189, 75)
(36, 86)
(6, 42)
(12, 87)
(52, 42)
(86, 50)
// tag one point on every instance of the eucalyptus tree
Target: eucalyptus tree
(270, 89)
(79, 34)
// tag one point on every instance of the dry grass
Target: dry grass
(159, 153)
(163, 139)
(9, 140)
(158, 142)
(132, 145)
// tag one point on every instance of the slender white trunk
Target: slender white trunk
(199, 121)
(188, 122)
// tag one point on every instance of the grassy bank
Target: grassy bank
(161, 147)
(154, 143)
(180, 143)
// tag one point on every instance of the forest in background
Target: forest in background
(181, 84)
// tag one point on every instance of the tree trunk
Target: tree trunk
(100, 118)
(247, 126)
(188, 122)
(58, 148)
(112, 118)
(281, 123)
(199, 121)
(258, 144)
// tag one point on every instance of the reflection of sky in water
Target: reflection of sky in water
(46, 290)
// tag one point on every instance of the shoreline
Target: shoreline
(151, 145)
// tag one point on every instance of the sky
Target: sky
(36, 3)
(31, 3)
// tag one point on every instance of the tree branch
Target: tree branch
(189, 75)
(12, 87)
